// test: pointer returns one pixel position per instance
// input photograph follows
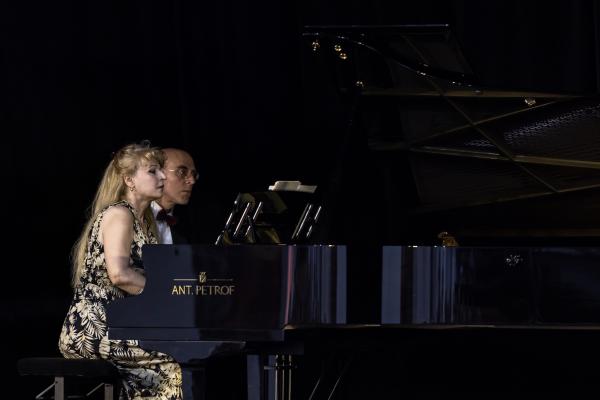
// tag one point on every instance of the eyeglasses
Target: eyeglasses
(185, 173)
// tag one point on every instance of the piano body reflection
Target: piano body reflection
(517, 173)
(279, 304)
(207, 301)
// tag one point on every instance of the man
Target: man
(181, 176)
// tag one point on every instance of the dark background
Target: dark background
(226, 79)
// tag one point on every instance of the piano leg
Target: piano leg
(194, 382)
(254, 376)
(269, 377)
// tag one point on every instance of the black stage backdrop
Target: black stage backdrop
(226, 80)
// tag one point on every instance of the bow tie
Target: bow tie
(164, 216)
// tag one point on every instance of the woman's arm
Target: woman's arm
(116, 233)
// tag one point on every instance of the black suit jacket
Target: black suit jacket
(193, 227)
(199, 222)
(182, 231)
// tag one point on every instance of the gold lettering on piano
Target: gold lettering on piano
(214, 290)
(205, 287)
(203, 290)
(181, 290)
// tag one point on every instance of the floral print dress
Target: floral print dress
(146, 374)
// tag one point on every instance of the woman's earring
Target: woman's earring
(132, 188)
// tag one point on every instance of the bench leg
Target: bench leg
(108, 391)
(59, 388)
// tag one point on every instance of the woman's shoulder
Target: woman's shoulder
(113, 215)
(117, 218)
(119, 209)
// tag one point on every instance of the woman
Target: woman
(107, 265)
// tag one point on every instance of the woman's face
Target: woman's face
(149, 180)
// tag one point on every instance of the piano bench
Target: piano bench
(69, 372)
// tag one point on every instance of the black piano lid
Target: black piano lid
(476, 160)
(425, 49)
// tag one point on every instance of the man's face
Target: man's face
(181, 176)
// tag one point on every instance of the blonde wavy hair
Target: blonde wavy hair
(112, 189)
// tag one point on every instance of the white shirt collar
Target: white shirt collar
(156, 208)
(164, 231)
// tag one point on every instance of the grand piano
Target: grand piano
(457, 264)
